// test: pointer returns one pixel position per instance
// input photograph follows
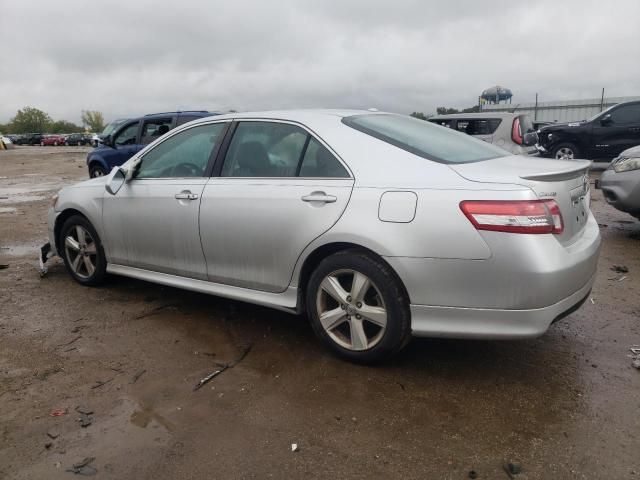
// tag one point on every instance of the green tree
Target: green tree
(30, 120)
(419, 115)
(4, 128)
(93, 119)
(446, 111)
(63, 126)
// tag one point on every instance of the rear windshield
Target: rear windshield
(425, 139)
(526, 124)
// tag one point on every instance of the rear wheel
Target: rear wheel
(566, 151)
(358, 308)
(82, 251)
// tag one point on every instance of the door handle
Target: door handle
(319, 197)
(186, 195)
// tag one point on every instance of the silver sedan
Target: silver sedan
(378, 226)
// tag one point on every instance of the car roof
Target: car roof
(194, 113)
(298, 115)
(478, 115)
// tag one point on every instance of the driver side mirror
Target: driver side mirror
(108, 141)
(606, 120)
(115, 180)
(530, 139)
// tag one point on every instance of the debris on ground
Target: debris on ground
(84, 467)
(52, 435)
(85, 420)
(593, 302)
(622, 278)
(294, 447)
(635, 356)
(71, 341)
(137, 376)
(58, 412)
(48, 445)
(472, 474)
(153, 311)
(620, 268)
(222, 367)
(512, 469)
(3, 266)
(100, 383)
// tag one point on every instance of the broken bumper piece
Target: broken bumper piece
(45, 254)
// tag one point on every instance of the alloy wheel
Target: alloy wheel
(564, 153)
(351, 310)
(81, 251)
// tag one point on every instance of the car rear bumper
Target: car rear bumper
(482, 323)
(526, 283)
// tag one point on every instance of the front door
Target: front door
(619, 132)
(278, 190)
(152, 222)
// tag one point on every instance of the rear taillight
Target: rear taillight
(514, 216)
(516, 134)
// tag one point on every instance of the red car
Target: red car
(52, 140)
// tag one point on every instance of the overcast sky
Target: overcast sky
(131, 57)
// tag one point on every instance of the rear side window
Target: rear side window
(433, 142)
(320, 162)
(272, 149)
(478, 126)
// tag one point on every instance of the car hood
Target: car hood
(631, 152)
(92, 182)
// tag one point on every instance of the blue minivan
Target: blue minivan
(123, 138)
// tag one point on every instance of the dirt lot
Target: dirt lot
(565, 405)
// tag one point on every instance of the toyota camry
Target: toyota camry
(377, 226)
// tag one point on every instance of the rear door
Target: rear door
(278, 189)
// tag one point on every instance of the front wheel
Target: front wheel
(358, 307)
(82, 251)
(566, 151)
(97, 171)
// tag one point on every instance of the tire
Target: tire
(96, 171)
(72, 247)
(384, 300)
(566, 151)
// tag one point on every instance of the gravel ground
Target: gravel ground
(562, 406)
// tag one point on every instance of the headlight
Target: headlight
(54, 201)
(550, 136)
(626, 164)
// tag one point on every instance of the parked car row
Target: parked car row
(52, 139)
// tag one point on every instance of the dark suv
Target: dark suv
(78, 139)
(602, 137)
(124, 138)
(30, 139)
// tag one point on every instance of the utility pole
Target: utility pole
(602, 100)
(535, 110)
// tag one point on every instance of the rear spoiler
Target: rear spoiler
(580, 166)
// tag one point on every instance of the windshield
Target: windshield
(600, 113)
(425, 139)
(110, 128)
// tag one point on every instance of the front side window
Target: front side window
(443, 145)
(185, 154)
(128, 135)
(626, 114)
(153, 129)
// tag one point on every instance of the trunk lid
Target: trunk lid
(565, 181)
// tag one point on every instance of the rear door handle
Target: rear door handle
(186, 195)
(319, 197)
